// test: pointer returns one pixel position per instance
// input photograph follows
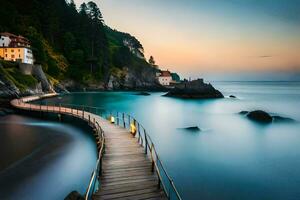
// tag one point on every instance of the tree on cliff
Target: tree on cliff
(151, 61)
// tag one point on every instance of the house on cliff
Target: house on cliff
(15, 48)
(166, 78)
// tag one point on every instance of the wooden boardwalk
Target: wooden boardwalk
(126, 169)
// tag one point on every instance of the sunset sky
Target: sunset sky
(202, 36)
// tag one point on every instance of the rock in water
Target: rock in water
(232, 96)
(143, 94)
(196, 89)
(282, 119)
(192, 128)
(260, 116)
(243, 112)
(74, 195)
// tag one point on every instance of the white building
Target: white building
(4, 41)
(164, 78)
(15, 48)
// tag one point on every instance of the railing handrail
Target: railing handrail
(63, 110)
(148, 145)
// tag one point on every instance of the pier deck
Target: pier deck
(126, 169)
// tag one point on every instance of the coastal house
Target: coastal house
(164, 77)
(15, 48)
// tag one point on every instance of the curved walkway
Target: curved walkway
(126, 171)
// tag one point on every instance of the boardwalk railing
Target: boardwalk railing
(64, 109)
(127, 121)
(121, 119)
(94, 182)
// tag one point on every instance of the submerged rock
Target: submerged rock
(192, 128)
(244, 112)
(282, 119)
(196, 89)
(74, 195)
(260, 116)
(143, 94)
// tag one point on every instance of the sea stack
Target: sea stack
(195, 89)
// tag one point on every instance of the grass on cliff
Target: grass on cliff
(13, 74)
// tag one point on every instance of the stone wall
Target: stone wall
(26, 68)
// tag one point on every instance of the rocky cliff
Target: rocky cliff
(18, 80)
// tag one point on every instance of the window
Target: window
(5, 55)
(12, 50)
(18, 50)
(12, 56)
(19, 55)
(5, 50)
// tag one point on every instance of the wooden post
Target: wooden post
(118, 118)
(146, 142)
(82, 112)
(139, 133)
(152, 159)
(129, 120)
(100, 170)
(158, 185)
(124, 120)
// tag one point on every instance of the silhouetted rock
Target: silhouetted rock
(232, 96)
(74, 195)
(264, 117)
(192, 128)
(260, 116)
(244, 112)
(282, 119)
(143, 94)
(196, 89)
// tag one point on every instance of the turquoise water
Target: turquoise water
(232, 157)
(41, 159)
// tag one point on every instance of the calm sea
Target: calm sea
(232, 157)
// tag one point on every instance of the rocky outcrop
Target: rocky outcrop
(264, 117)
(39, 74)
(9, 85)
(196, 89)
(74, 195)
(260, 116)
(7, 88)
(143, 94)
(143, 79)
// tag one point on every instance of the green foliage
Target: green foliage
(38, 49)
(17, 78)
(25, 80)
